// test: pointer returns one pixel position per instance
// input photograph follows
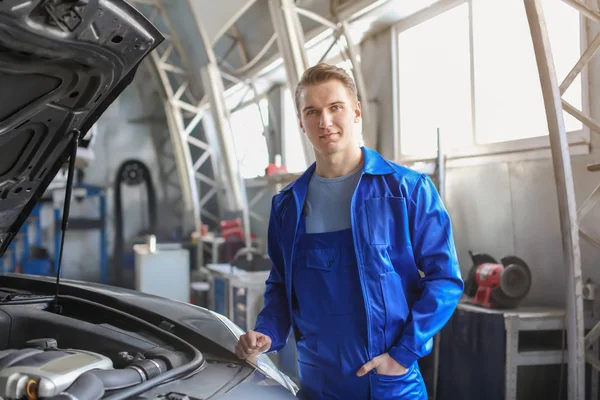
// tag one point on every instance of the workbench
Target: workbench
(480, 354)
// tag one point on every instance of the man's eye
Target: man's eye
(335, 108)
(311, 112)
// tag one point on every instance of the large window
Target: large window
(248, 136)
(471, 72)
(435, 85)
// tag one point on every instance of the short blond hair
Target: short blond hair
(322, 73)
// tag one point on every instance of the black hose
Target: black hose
(195, 363)
(131, 172)
(135, 373)
(117, 378)
(172, 359)
(87, 387)
(92, 384)
(144, 387)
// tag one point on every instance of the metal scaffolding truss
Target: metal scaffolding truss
(579, 346)
(285, 16)
(195, 157)
(206, 166)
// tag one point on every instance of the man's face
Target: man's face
(327, 115)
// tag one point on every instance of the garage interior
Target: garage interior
(173, 184)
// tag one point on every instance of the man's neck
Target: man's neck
(338, 164)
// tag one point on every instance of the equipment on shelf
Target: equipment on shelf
(277, 168)
(498, 285)
(258, 261)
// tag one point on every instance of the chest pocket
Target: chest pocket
(387, 221)
(323, 259)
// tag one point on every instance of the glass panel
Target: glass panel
(250, 142)
(435, 83)
(508, 97)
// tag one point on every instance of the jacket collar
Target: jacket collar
(374, 164)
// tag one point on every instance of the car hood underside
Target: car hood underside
(62, 63)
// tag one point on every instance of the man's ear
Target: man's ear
(300, 123)
(357, 112)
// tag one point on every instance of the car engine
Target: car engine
(43, 371)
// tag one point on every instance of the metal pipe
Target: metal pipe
(397, 152)
(247, 212)
(240, 44)
(212, 59)
(296, 36)
(581, 63)
(585, 119)
(183, 160)
(441, 167)
(566, 197)
(335, 39)
(441, 177)
(231, 177)
(369, 137)
(317, 18)
(230, 78)
(290, 40)
(583, 9)
(258, 56)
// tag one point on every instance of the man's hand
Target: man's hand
(252, 343)
(384, 365)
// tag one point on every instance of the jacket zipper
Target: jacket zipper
(289, 273)
(360, 268)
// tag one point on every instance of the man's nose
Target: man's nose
(325, 120)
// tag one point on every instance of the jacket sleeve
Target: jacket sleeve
(274, 319)
(442, 285)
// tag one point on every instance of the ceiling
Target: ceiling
(239, 30)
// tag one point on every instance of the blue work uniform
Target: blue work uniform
(354, 294)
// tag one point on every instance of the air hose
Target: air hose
(131, 173)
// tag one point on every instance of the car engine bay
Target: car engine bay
(63, 63)
(86, 358)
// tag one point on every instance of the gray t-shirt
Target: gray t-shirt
(328, 202)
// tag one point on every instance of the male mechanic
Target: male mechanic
(347, 241)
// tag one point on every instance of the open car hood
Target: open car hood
(62, 63)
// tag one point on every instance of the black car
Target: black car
(62, 63)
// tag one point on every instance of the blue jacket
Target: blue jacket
(400, 227)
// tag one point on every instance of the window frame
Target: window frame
(533, 147)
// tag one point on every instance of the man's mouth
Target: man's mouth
(328, 135)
